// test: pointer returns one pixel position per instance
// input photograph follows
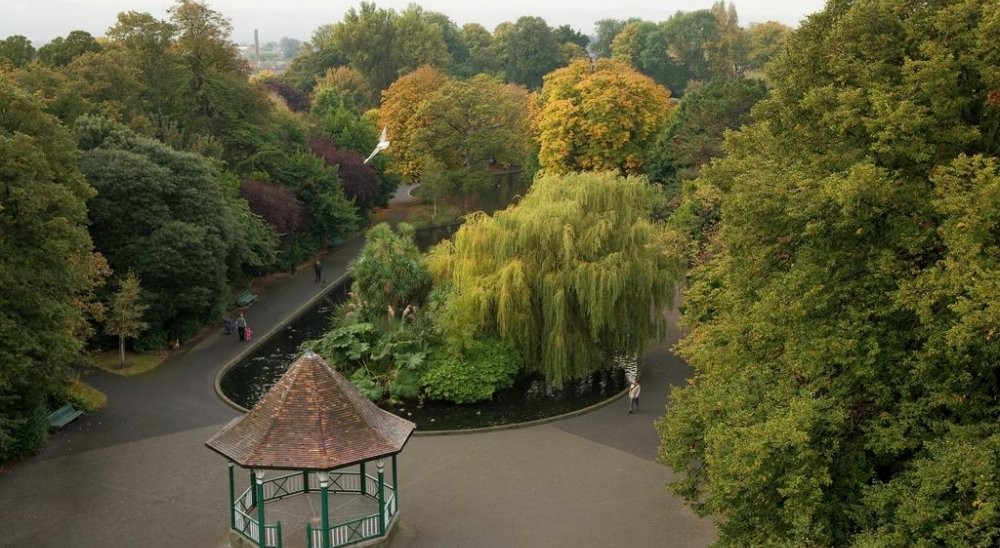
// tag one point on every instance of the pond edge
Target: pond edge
(336, 283)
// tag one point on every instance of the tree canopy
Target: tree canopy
(48, 269)
(163, 214)
(16, 50)
(842, 325)
(600, 117)
(531, 51)
(572, 274)
(695, 131)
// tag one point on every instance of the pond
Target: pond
(530, 398)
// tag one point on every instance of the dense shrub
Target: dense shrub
(490, 364)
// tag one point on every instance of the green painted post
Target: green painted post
(395, 484)
(381, 497)
(324, 485)
(253, 489)
(232, 498)
(364, 479)
(279, 535)
(309, 535)
(262, 538)
(305, 481)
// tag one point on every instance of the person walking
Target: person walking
(633, 396)
(318, 267)
(241, 327)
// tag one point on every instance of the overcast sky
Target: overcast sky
(42, 20)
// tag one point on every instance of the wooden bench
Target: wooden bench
(64, 415)
(246, 298)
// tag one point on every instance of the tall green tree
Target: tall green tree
(314, 58)
(482, 54)
(572, 274)
(60, 51)
(365, 39)
(605, 31)
(532, 52)
(16, 50)
(381, 44)
(842, 326)
(146, 42)
(111, 83)
(689, 34)
(454, 39)
(48, 269)
(766, 40)
(728, 54)
(566, 33)
(644, 45)
(214, 97)
(695, 132)
(419, 39)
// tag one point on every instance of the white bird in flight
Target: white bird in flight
(383, 143)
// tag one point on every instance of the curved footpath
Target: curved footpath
(136, 474)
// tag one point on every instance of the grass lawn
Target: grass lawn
(135, 364)
(85, 397)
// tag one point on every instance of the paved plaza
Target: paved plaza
(136, 474)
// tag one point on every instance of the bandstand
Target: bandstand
(317, 434)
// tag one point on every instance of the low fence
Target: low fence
(340, 534)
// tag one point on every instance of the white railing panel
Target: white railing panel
(245, 501)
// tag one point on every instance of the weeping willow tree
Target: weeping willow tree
(573, 273)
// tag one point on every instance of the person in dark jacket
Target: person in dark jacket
(241, 327)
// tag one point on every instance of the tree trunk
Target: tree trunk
(121, 351)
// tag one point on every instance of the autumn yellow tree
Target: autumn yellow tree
(603, 116)
(400, 104)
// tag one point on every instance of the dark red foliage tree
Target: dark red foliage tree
(277, 204)
(293, 96)
(358, 179)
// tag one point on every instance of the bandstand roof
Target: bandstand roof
(311, 419)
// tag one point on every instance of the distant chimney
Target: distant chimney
(256, 51)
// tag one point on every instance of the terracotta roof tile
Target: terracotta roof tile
(311, 419)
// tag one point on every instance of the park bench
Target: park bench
(246, 298)
(64, 415)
